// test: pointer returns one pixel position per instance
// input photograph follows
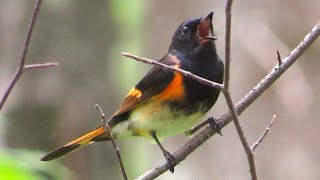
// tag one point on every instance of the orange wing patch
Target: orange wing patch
(134, 93)
(175, 90)
(133, 98)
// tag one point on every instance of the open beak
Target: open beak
(205, 29)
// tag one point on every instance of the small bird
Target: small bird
(165, 103)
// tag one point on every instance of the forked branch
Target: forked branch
(22, 66)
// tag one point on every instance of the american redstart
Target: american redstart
(164, 102)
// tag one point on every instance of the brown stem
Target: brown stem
(24, 54)
(116, 148)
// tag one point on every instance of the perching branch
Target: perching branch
(22, 66)
(116, 148)
(243, 104)
(228, 97)
(264, 134)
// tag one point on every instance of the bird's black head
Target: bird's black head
(193, 35)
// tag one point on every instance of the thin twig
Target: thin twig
(38, 66)
(243, 104)
(226, 92)
(244, 141)
(24, 54)
(264, 134)
(107, 128)
(185, 73)
(279, 58)
(227, 45)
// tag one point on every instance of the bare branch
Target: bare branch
(31, 27)
(226, 92)
(38, 66)
(243, 104)
(277, 71)
(264, 134)
(244, 141)
(184, 72)
(107, 128)
(24, 54)
(228, 45)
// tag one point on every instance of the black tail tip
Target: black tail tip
(58, 153)
(46, 158)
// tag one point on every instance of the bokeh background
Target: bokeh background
(49, 107)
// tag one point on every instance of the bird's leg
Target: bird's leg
(169, 157)
(214, 123)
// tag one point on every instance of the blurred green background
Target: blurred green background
(49, 107)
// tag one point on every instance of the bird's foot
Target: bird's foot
(216, 124)
(171, 160)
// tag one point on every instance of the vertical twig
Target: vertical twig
(24, 54)
(244, 141)
(226, 92)
(227, 47)
(107, 128)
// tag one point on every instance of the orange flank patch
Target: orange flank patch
(175, 90)
(85, 139)
(134, 93)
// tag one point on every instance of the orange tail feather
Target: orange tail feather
(75, 144)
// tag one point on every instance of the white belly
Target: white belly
(155, 118)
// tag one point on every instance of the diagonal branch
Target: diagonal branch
(21, 68)
(264, 134)
(243, 104)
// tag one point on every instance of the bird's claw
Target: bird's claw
(171, 160)
(216, 124)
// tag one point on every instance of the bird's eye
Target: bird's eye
(185, 31)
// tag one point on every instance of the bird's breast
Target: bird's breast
(162, 119)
